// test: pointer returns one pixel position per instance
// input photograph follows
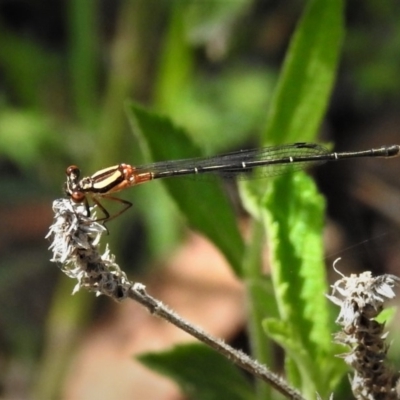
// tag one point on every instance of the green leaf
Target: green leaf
(387, 315)
(293, 216)
(24, 135)
(292, 210)
(232, 104)
(207, 22)
(309, 71)
(83, 57)
(204, 205)
(298, 363)
(201, 373)
(26, 79)
(259, 292)
(176, 62)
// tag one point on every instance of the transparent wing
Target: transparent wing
(252, 163)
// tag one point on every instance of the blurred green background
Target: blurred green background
(66, 72)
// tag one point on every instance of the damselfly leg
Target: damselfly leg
(107, 217)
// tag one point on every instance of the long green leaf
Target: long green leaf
(83, 56)
(202, 373)
(204, 205)
(176, 62)
(293, 211)
(309, 71)
(293, 215)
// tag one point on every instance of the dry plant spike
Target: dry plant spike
(361, 298)
(75, 246)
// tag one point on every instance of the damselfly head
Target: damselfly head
(73, 173)
(72, 186)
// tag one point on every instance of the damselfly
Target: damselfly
(262, 162)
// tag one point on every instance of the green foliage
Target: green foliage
(293, 216)
(372, 51)
(236, 99)
(24, 135)
(205, 24)
(26, 67)
(292, 211)
(210, 377)
(308, 74)
(199, 202)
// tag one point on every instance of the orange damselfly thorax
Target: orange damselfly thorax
(101, 184)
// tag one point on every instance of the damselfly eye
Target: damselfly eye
(73, 170)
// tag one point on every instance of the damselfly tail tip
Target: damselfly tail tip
(392, 150)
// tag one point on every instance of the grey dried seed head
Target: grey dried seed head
(75, 245)
(361, 298)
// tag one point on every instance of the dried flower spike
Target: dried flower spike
(361, 298)
(75, 245)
